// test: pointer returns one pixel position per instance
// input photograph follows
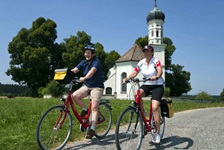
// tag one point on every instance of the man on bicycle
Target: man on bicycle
(151, 68)
(93, 82)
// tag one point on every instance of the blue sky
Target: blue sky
(194, 26)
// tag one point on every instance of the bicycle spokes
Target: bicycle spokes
(128, 133)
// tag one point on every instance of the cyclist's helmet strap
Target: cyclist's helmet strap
(90, 47)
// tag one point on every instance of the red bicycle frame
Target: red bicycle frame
(146, 121)
(82, 120)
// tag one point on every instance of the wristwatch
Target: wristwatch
(157, 78)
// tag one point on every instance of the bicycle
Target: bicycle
(132, 124)
(55, 126)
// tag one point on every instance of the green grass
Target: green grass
(19, 118)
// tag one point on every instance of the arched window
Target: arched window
(123, 86)
(109, 90)
(157, 33)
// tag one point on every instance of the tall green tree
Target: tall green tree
(169, 50)
(178, 80)
(142, 41)
(74, 46)
(34, 54)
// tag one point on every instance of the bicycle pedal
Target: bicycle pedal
(82, 129)
(145, 131)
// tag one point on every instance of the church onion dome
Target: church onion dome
(155, 14)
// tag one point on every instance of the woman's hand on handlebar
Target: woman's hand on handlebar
(125, 79)
(154, 78)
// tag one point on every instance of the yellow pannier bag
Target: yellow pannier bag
(167, 108)
(63, 76)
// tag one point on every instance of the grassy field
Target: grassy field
(19, 118)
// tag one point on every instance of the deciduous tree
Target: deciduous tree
(34, 55)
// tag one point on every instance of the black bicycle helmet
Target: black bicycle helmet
(148, 47)
(90, 47)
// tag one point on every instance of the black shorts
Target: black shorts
(155, 90)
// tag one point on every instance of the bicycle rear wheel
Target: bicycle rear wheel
(104, 120)
(162, 126)
(48, 134)
(129, 130)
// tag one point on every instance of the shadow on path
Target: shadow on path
(174, 142)
(108, 140)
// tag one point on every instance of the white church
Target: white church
(126, 63)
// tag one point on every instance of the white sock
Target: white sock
(92, 127)
(84, 108)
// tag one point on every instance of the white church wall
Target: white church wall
(159, 52)
(128, 68)
(110, 82)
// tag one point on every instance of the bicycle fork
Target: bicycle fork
(59, 122)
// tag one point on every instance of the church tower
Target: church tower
(155, 21)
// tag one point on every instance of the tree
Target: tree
(34, 54)
(54, 88)
(141, 42)
(177, 80)
(222, 95)
(203, 96)
(111, 57)
(74, 46)
(169, 50)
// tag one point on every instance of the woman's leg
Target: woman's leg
(142, 94)
(156, 111)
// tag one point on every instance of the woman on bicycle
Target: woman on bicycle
(93, 82)
(151, 68)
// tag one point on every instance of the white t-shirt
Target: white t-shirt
(149, 71)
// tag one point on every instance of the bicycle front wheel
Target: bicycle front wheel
(52, 132)
(104, 120)
(129, 130)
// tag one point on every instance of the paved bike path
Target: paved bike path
(194, 129)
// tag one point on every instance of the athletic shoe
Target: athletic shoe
(156, 139)
(91, 133)
(83, 113)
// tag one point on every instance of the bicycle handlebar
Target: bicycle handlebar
(137, 80)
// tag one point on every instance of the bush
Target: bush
(54, 88)
(167, 92)
(203, 96)
(222, 95)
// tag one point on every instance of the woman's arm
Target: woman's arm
(159, 73)
(132, 75)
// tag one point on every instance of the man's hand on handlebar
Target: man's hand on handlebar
(82, 79)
